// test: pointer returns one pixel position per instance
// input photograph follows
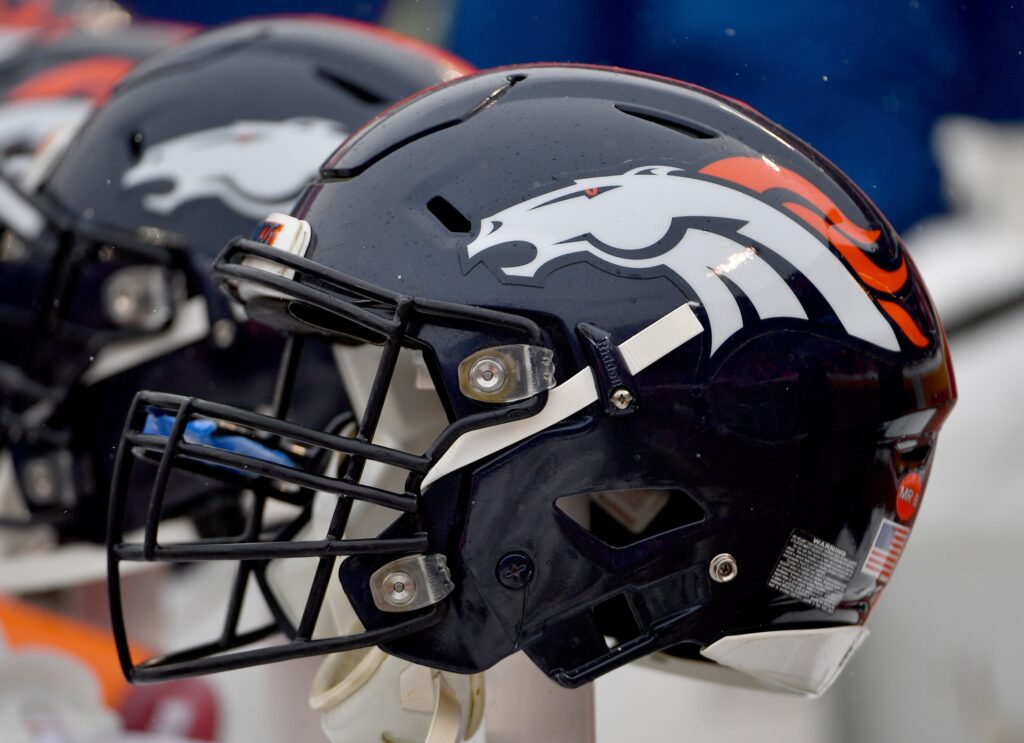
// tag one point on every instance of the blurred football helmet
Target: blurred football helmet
(104, 280)
(678, 382)
(46, 93)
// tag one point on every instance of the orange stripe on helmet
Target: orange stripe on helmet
(902, 318)
(870, 274)
(93, 78)
(759, 174)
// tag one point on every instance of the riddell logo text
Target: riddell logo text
(604, 347)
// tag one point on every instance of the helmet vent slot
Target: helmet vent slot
(622, 518)
(666, 119)
(913, 452)
(363, 94)
(452, 219)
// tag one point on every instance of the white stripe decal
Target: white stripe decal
(643, 349)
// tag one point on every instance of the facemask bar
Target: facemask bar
(347, 298)
(268, 479)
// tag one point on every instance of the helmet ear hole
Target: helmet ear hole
(616, 620)
(622, 518)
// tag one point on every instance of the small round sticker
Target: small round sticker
(908, 497)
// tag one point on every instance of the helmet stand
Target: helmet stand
(524, 705)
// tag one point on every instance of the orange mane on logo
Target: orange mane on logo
(93, 78)
(760, 175)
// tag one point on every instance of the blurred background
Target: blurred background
(919, 102)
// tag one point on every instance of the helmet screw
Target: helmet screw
(723, 568)
(487, 375)
(41, 481)
(398, 588)
(223, 333)
(621, 398)
(515, 570)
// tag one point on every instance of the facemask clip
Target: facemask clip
(504, 374)
(411, 583)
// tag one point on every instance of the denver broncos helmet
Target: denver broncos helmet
(106, 290)
(46, 92)
(686, 385)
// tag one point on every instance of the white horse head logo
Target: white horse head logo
(654, 219)
(255, 167)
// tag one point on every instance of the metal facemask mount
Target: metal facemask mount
(414, 583)
(144, 308)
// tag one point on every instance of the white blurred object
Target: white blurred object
(982, 164)
(101, 15)
(638, 703)
(973, 258)
(12, 507)
(46, 697)
(36, 565)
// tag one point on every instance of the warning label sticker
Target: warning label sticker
(813, 571)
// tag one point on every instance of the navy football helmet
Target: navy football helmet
(46, 92)
(105, 286)
(686, 387)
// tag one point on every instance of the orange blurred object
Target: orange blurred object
(29, 14)
(93, 78)
(29, 626)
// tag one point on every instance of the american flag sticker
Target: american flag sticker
(886, 550)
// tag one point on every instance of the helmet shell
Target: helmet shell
(571, 195)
